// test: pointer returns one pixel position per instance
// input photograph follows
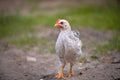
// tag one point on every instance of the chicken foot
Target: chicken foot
(60, 74)
(70, 74)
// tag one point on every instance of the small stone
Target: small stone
(25, 75)
(80, 73)
(31, 59)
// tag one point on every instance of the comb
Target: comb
(57, 20)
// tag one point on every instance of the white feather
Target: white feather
(68, 45)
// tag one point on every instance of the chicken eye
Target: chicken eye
(61, 22)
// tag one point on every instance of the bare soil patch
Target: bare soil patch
(16, 64)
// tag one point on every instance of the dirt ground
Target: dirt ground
(16, 64)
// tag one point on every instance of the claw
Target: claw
(70, 75)
(60, 75)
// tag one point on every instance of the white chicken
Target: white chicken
(68, 46)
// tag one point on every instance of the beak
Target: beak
(56, 25)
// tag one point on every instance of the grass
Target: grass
(112, 47)
(94, 57)
(115, 42)
(15, 24)
(52, 50)
(80, 16)
(82, 59)
(29, 40)
(96, 17)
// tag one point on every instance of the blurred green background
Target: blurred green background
(20, 19)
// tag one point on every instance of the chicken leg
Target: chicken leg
(60, 74)
(70, 74)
